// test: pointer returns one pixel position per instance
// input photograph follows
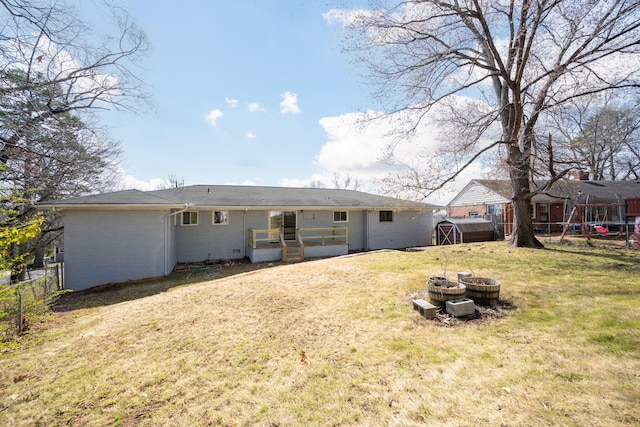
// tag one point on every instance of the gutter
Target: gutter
(105, 207)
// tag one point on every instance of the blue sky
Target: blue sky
(240, 60)
(248, 92)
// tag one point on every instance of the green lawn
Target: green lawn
(336, 342)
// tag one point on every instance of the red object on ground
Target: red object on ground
(600, 229)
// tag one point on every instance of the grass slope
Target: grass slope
(336, 342)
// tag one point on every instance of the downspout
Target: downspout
(372, 215)
(626, 225)
(166, 236)
(244, 232)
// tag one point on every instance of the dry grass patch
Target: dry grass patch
(336, 342)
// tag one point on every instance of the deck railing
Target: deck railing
(310, 236)
(324, 236)
(263, 237)
(283, 245)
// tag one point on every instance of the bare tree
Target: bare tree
(315, 184)
(53, 47)
(170, 182)
(494, 68)
(599, 136)
(52, 66)
(60, 156)
(55, 74)
(345, 182)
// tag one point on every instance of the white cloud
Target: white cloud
(249, 183)
(254, 107)
(346, 17)
(352, 144)
(125, 181)
(289, 104)
(295, 183)
(360, 142)
(231, 102)
(251, 135)
(213, 116)
(365, 147)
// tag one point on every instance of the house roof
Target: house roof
(591, 191)
(573, 191)
(135, 198)
(498, 186)
(494, 190)
(238, 197)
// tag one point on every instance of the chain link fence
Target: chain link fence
(23, 303)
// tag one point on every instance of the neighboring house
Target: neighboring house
(599, 202)
(482, 198)
(131, 235)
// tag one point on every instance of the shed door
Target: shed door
(447, 235)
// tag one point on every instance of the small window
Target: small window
(189, 218)
(221, 217)
(544, 212)
(474, 214)
(386, 216)
(340, 216)
(494, 209)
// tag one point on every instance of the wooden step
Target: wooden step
(294, 254)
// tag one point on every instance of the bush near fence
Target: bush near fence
(24, 303)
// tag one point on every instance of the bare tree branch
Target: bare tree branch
(538, 55)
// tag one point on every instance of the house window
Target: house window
(494, 209)
(189, 218)
(340, 216)
(544, 212)
(275, 225)
(532, 210)
(275, 220)
(221, 217)
(474, 214)
(386, 216)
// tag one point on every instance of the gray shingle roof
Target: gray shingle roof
(594, 191)
(125, 197)
(584, 191)
(232, 196)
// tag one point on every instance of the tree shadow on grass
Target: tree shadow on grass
(185, 275)
(619, 257)
(611, 264)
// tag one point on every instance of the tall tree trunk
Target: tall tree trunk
(522, 235)
(38, 257)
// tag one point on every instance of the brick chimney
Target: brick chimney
(581, 176)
